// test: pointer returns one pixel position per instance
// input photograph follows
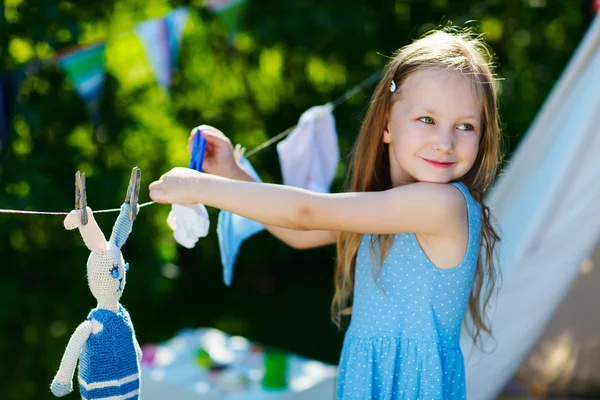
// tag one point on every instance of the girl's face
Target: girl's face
(434, 128)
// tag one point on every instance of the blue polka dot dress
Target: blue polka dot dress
(403, 338)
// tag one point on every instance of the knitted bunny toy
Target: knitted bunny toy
(105, 344)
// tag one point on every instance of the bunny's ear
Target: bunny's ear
(90, 232)
(122, 227)
(71, 220)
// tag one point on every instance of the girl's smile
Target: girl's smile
(438, 164)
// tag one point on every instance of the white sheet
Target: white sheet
(547, 205)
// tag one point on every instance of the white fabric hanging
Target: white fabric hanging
(547, 208)
(189, 223)
(310, 154)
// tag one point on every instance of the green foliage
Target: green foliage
(286, 57)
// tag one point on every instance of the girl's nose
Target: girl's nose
(444, 141)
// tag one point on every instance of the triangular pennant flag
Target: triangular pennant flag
(176, 21)
(9, 89)
(86, 70)
(228, 11)
(161, 38)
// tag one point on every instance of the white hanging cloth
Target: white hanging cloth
(547, 208)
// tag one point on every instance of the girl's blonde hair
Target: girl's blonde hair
(370, 164)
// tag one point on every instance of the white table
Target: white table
(175, 374)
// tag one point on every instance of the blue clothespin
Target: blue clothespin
(198, 150)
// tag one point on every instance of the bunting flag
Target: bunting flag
(229, 12)
(86, 70)
(161, 38)
(9, 89)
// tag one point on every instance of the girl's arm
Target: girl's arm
(427, 208)
(219, 160)
(294, 238)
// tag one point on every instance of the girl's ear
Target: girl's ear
(387, 137)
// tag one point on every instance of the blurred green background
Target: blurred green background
(252, 82)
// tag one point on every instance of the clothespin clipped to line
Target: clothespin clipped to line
(80, 196)
(133, 192)
(198, 150)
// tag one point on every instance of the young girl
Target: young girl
(410, 227)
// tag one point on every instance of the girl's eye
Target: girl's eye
(466, 127)
(427, 120)
(114, 272)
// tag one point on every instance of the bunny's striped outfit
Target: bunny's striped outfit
(109, 366)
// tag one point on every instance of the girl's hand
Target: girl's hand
(178, 186)
(218, 156)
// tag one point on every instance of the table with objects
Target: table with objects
(207, 364)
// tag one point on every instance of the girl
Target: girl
(409, 229)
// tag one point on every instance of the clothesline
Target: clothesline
(354, 90)
(2, 211)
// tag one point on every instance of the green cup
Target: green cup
(276, 369)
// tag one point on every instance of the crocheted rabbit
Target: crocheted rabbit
(105, 344)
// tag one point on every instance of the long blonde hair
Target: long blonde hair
(370, 164)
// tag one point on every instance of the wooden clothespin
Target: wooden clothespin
(238, 152)
(80, 197)
(133, 192)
